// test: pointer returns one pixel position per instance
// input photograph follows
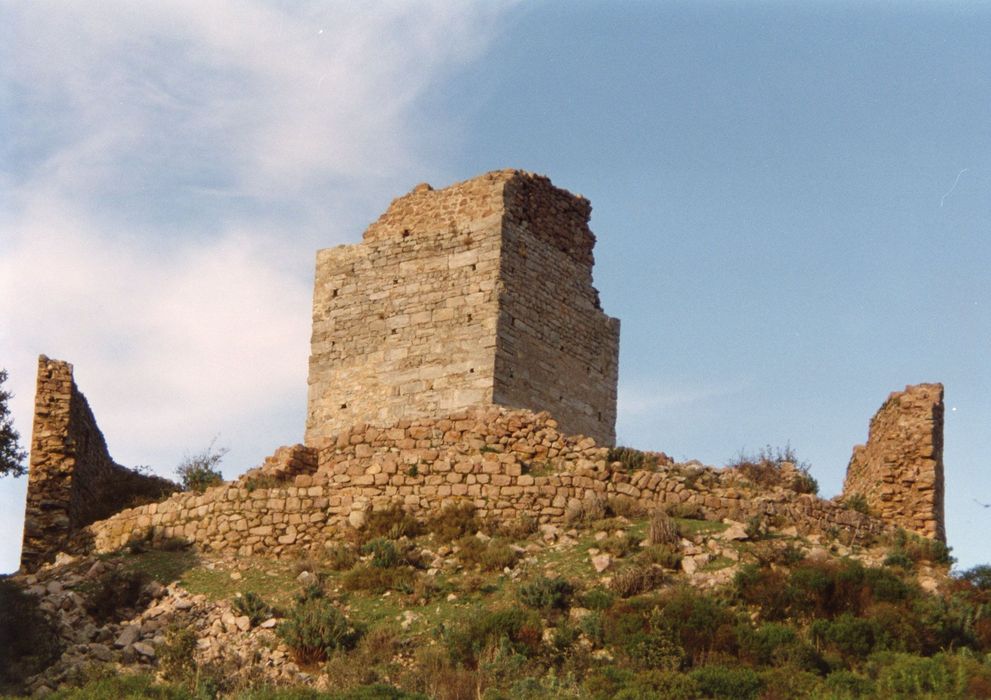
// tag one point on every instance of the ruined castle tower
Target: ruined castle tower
(900, 470)
(479, 293)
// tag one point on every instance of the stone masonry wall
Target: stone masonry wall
(72, 480)
(475, 294)
(507, 463)
(556, 351)
(900, 469)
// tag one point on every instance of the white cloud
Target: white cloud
(168, 170)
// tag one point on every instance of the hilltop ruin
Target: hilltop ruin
(458, 353)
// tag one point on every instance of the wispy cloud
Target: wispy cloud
(166, 173)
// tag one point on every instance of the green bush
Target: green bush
(729, 682)
(384, 553)
(636, 579)
(978, 576)
(376, 579)
(853, 637)
(454, 521)
(392, 522)
(597, 599)
(28, 641)
(488, 555)
(254, 607)
(696, 621)
(857, 502)
(546, 593)
(653, 684)
(340, 557)
(842, 684)
(466, 640)
(766, 468)
(315, 628)
(175, 654)
(200, 471)
(632, 459)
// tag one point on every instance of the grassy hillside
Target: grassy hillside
(620, 604)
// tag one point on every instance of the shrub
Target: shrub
(591, 508)
(175, 654)
(546, 593)
(698, 622)
(376, 579)
(653, 683)
(200, 471)
(729, 682)
(633, 460)
(392, 522)
(620, 543)
(384, 553)
(661, 529)
(115, 592)
(910, 676)
(597, 599)
(853, 637)
(685, 511)
(254, 607)
(857, 502)
(340, 557)
(465, 641)
(28, 641)
(774, 466)
(847, 684)
(314, 629)
(662, 555)
(978, 576)
(624, 506)
(454, 521)
(488, 555)
(636, 579)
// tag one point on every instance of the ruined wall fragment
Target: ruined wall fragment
(900, 469)
(72, 480)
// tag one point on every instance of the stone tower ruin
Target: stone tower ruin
(477, 294)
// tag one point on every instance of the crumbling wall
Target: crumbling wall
(508, 464)
(72, 480)
(900, 470)
(556, 349)
(475, 294)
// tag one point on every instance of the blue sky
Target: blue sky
(791, 203)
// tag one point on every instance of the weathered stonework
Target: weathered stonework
(477, 294)
(900, 469)
(508, 464)
(72, 481)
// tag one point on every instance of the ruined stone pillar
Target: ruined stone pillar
(900, 469)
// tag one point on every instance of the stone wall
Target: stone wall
(475, 294)
(507, 463)
(900, 469)
(72, 480)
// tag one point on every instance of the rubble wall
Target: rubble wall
(900, 470)
(509, 464)
(475, 294)
(72, 480)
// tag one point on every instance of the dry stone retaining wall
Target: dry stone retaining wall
(507, 463)
(900, 469)
(72, 480)
(475, 294)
